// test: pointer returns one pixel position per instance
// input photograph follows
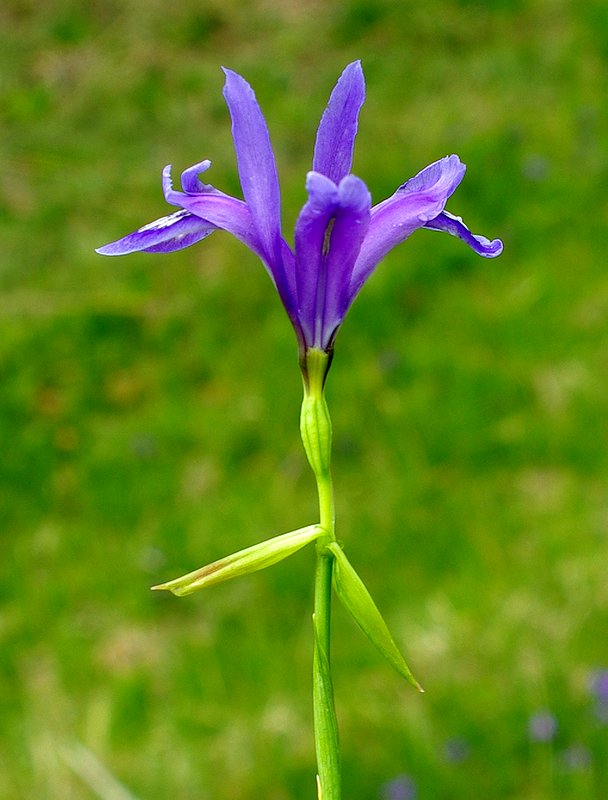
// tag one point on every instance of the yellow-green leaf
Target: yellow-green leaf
(358, 602)
(252, 559)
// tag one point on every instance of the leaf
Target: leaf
(358, 602)
(252, 559)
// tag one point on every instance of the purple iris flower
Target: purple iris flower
(339, 236)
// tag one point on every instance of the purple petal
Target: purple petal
(455, 227)
(441, 176)
(417, 201)
(256, 164)
(219, 209)
(329, 233)
(234, 216)
(190, 180)
(333, 154)
(174, 232)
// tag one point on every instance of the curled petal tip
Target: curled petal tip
(491, 249)
(167, 181)
(449, 223)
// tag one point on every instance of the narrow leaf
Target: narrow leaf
(252, 559)
(358, 602)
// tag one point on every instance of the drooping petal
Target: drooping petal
(455, 227)
(329, 233)
(417, 201)
(234, 216)
(173, 232)
(256, 163)
(219, 209)
(333, 153)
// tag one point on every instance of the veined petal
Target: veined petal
(333, 154)
(256, 163)
(455, 227)
(173, 232)
(417, 201)
(329, 233)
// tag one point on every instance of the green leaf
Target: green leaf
(252, 559)
(358, 602)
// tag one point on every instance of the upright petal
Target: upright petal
(455, 227)
(329, 232)
(417, 201)
(333, 154)
(173, 232)
(256, 163)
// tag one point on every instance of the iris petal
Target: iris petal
(329, 232)
(173, 232)
(417, 201)
(191, 182)
(221, 210)
(455, 227)
(234, 216)
(256, 163)
(333, 154)
(442, 176)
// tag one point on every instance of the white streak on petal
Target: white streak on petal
(164, 222)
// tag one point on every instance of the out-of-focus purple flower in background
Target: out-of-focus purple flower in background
(599, 685)
(598, 689)
(542, 726)
(400, 788)
(576, 758)
(456, 750)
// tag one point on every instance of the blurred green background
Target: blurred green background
(149, 408)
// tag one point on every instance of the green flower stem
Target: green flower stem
(316, 435)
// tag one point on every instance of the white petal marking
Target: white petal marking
(164, 222)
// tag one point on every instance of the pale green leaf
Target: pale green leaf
(358, 602)
(252, 559)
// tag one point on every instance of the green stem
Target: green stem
(316, 436)
(325, 722)
(324, 712)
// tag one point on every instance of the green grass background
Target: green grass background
(149, 407)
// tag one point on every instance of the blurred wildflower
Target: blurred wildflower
(535, 168)
(456, 750)
(599, 692)
(576, 758)
(599, 685)
(339, 237)
(542, 726)
(400, 788)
